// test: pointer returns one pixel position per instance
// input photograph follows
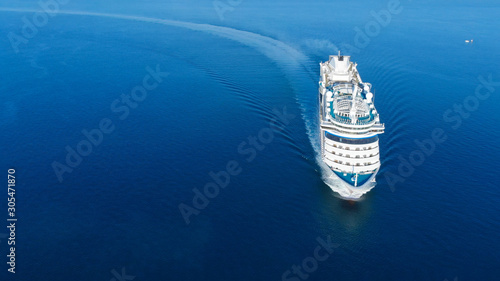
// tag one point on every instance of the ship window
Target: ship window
(351, 141)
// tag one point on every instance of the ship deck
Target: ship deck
(364, 120)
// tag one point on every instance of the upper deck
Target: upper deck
(346, 102)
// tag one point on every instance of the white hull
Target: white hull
(349, 128)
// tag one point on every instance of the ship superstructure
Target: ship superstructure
(349, 125)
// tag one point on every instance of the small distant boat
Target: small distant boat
(469, 41)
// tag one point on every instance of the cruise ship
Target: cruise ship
(349, 126)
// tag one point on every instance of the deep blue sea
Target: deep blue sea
(174, 92)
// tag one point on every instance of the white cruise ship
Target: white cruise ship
(349, 125)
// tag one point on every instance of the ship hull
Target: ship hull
(349, 127)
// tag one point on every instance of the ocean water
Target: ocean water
(225, 78)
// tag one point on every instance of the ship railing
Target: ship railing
(341, 119)
(349, 168)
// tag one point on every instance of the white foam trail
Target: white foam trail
(321, 45)
(272, 48)
(291, 61)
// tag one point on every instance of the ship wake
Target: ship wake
(293, 63)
